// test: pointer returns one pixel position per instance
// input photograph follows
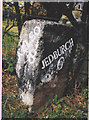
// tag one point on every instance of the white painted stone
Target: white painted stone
(27, 98)
(29, 56)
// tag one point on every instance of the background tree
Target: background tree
(51, 10)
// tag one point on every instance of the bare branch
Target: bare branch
(6, 32)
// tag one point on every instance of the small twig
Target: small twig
(5, 103)
(9, 28)
(5, 32)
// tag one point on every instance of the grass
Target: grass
(9, 46)
(11, 106)
(72, 106)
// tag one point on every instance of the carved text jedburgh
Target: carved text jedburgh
(67, 47)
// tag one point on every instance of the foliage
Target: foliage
(38, 9)
(35, 9)
(9, 46)
(77, 14)
(73, 106)
(11, 7)
(10, 108)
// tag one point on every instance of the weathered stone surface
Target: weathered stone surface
(44, 56)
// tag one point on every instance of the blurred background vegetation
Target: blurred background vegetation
(75, 103)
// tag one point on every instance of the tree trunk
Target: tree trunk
(18, 17)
